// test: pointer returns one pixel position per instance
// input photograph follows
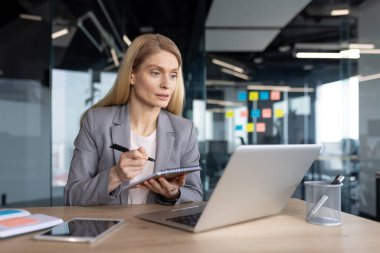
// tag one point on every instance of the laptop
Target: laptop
(258, 181)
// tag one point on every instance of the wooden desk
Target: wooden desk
(286, 232)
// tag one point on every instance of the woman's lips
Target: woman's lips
(163, 96)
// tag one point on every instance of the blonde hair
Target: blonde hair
(141, 48)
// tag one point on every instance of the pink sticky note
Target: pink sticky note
(244, 114)
(260, 127)
(275, 95)
(267, 113)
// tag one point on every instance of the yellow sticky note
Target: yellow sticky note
(253, 96)
(250, 127)
(279, 113)
(229, 114)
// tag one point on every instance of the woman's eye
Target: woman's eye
(173, 77)
(155, 73)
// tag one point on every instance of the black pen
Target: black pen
(124, 149)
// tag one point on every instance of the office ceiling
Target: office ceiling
(257, 35)
(269, 57)
(244, 25)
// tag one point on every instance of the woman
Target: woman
(142, 112)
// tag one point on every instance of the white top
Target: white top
(137, 195)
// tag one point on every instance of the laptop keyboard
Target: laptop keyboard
(190, 220)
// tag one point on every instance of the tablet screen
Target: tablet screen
(80, 229)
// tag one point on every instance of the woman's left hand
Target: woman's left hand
(168, 189)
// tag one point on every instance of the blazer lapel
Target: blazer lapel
(165, 140)
(120, 131)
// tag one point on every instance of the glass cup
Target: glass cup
(323, 203)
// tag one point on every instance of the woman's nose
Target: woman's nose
(165, 83)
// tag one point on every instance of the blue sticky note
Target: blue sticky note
(264, 95)
(242, 96)
(238, 128)
(255, 113)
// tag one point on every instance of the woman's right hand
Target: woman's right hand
(130, 164)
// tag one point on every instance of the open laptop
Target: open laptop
(258, 181)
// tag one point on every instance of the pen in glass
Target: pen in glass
(337, 180)
(124, 149)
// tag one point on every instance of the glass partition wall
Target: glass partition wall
(25, 131)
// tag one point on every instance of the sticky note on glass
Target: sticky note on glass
(267, 113)
(229, 114)
(242, 96)
(260, 127)
(250, 127)
(275, 95)
(253, 96)
(244, 114)
(238, 127)
(279, 113)
(255, 113)
(264, 95)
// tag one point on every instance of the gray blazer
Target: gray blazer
(92, 157)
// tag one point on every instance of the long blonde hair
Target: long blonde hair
(141, 48)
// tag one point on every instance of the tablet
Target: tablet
(80, 230)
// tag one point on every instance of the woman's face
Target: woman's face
(155, 79)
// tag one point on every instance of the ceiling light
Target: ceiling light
(258, 60)
(345, 54)
(59, 33)
(314, 55)
(318, 46)
(369, 51)
(114, 57)
(361, 46)
(279, 88)
(30, 17)
(219, 82)
(268, 87)
(369, 77)
(126, 40)
(242, 76)
(350, 54)
(340, 12)
(227, 65)
(284, 48)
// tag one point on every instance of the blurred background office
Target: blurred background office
(256, 72)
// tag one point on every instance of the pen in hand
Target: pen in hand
(124, 149)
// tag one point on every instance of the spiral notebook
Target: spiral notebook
(167, 173)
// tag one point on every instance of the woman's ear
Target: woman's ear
(132, 79)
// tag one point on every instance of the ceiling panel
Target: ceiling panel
(239, 40)
(248, 25)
